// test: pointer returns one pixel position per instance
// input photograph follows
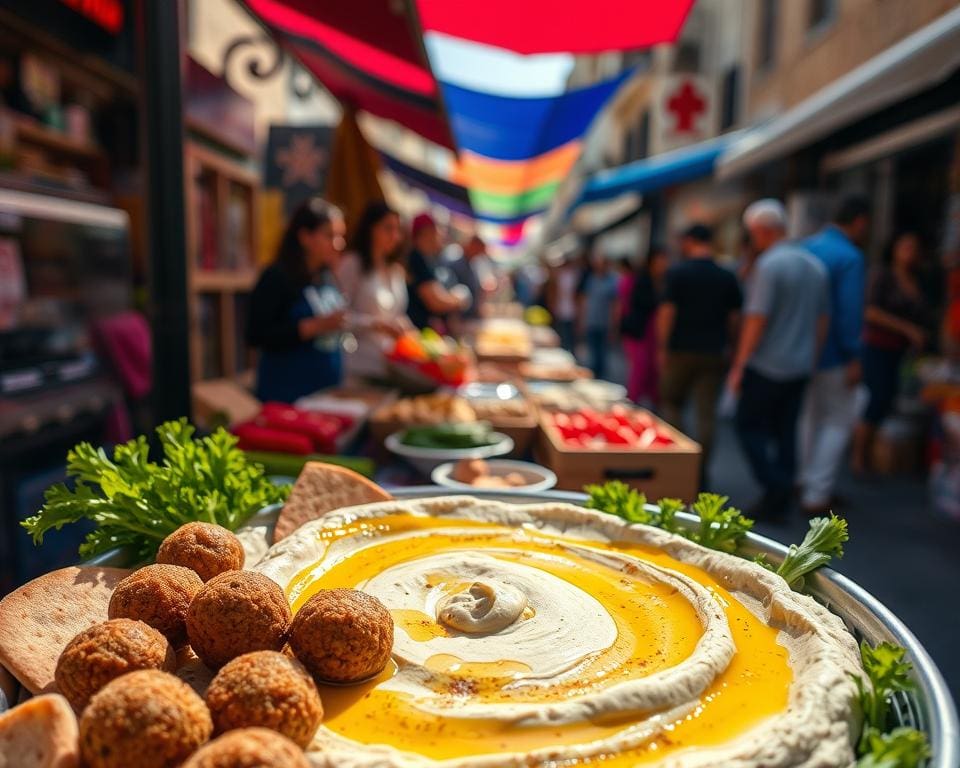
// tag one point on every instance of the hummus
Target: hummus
(552, 634)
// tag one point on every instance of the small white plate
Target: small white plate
(428, 459)
(539, 478)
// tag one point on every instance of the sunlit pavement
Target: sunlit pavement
(898, 550)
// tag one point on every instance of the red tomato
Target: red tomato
(647, 438)
(663, 441)
(579, 422)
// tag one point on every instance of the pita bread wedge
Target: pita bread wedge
(41, 617)
(322, 488)
(40, 733)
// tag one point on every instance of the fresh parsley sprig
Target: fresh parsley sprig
(721, 527)
(901, 748)
(823, 542)
(136, 503)
(887, 673)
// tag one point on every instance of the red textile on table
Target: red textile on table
(548, 26)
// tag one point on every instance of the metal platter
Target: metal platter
(929, 707)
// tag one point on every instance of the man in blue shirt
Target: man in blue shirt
(830, 409)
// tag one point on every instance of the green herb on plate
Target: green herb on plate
(721, 527)
(823, 542)
(450, 436)
(887, 673)
(136, 503)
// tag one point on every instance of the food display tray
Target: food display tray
(929, 707)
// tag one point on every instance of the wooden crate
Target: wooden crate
(667, 472)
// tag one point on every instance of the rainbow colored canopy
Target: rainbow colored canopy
(514, 146)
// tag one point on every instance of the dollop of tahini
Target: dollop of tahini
(484, 607)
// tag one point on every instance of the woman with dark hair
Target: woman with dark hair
(297, 312)
(895, 322)
(375, 287)
(639, 332)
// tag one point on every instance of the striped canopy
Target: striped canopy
(515, 128)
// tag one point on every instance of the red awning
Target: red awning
(548, 26)
(367, 53)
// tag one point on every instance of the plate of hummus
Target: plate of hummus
(496, 630)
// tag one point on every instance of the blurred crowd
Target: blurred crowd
(326, 310)
(798, 342)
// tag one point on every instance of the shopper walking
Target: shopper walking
(638, 329)
(896, 320)
(297, 312)
(696, 320)
(434, 292)
(830, 407)
(562, 301)
(375, 287)
(599, 314)
(785, 319)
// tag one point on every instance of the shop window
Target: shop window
(767, 34)
(687, 57)
(820, 15)
(636, 142)
(730, 98)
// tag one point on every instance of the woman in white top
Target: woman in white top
(375, 287)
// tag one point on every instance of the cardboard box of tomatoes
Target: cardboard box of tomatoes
(621, 443)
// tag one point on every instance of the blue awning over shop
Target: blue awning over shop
(657, 172)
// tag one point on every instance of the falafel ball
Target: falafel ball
(235, 613)
(105, 652)
(149, 719)
(266, 689)
(249, 748)
(342, 635)
(158, 595)
(205, 548)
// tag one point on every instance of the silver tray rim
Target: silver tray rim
(930, 707)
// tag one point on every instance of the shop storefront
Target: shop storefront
(74, 352)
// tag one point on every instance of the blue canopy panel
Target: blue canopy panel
(656, 172)
(512, 128)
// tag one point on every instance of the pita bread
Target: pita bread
(40, 733)
(41, 617)
(323, 488)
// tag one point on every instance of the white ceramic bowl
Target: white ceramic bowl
(428, 459)
(538, 478)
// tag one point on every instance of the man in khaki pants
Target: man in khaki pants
(694, 323)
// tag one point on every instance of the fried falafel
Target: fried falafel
(207, 549)
(266, 689)
(149, 719)
(105, 652)
(236, 613)
(342, 635)
(249, 748)
(158, 595)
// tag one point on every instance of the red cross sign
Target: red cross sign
(686, 104)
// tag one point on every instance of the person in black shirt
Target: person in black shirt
(297, 312)
(700, 308)
(434, 293)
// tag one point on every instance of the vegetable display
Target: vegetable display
(136, 502)
(450, 436)
(440, 359)
(721, 527)
(620, 427)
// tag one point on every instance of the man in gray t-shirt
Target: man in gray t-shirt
(785, 319)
